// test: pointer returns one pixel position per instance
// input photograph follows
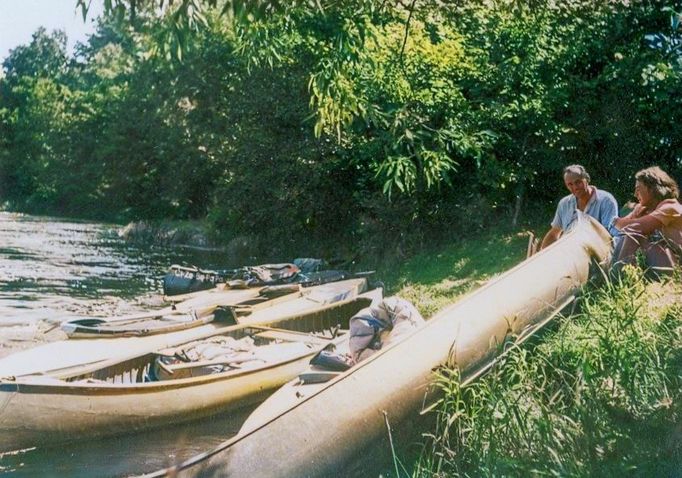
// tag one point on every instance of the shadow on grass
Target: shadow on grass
(437, 277)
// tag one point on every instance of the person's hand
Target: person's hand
(639, 211)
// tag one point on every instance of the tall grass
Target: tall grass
(598, 395)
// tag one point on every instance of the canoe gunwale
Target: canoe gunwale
(113, 389)
(204, 315)
(325, 315)
(589, 245)
(24, 385)
(90, 332)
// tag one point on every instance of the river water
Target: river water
(52, 270)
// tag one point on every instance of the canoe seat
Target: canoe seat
(317, 376)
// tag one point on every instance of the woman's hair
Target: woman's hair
(659, 183)
(577, 170)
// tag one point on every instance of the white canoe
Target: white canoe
(234, 367)
(332, 425)
(192, 312)
(63, 354)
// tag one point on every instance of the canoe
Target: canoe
(228, 306)
(222, 371)
(157, 323)
(182, 280)
(328, 429)
(65, 354)
(224, 292)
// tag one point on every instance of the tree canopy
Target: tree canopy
(296, 124)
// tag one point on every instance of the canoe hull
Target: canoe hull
(343, 419)
(34, 415)
(63, 354)
(38, 410)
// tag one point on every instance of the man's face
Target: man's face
(577, 185)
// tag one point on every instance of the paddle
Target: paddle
(155, 314)
(533, 244)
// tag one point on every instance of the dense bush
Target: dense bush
(598, 396)
(378, 126)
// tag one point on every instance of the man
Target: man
(599, 204)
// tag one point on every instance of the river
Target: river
(52, 270)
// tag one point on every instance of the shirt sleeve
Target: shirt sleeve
(667, 214)
(556, 222)
(609, 214)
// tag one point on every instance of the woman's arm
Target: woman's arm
(638, 221)
(635, 215)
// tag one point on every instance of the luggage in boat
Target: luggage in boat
(182, 280)
(307, 272)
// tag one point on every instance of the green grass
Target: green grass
(597, 395)
(436, 278)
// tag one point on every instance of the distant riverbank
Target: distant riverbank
(185, 234)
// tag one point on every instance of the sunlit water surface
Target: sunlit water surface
(52, 270)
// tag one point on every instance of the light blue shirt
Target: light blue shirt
(602, 206)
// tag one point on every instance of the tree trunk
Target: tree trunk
(518, 204)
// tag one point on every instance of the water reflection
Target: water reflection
(125, 455)
(52, 270)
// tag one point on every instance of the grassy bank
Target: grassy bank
(436, 278)
(596, 395)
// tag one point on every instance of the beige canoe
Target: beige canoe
(63, 354)
(336, 423)
(228, 306)
(236, 366)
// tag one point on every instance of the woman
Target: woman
(654, 225)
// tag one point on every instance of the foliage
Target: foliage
(598, 396)
(398, 124)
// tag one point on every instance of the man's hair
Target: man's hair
(661, 185)
(577, 170)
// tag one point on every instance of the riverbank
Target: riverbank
(85, 270)
(598, 394)
(572, 402)
(169, 233)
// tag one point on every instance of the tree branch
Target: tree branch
(407, 29)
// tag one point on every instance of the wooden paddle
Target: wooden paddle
(533, 244)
